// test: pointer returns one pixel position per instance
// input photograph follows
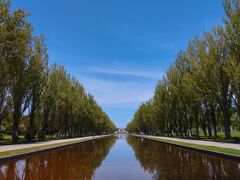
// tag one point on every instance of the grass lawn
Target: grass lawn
(235, 137)
(7, 140)
(204, 147)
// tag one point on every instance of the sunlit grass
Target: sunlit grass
(235, 137)
(7, 139)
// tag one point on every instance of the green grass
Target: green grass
(204, 147)
(8, 137)
(221, 134)
(7, 140)
(32, 149)
(235, 137)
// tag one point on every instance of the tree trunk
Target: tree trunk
(197, 124)
(32, 115)
(44, 122)
(16, 120)
(226, 104)
(226, 119)
(214, 123)
(203, 125)
(31, 131)
(209, 125)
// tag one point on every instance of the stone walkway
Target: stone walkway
(201, 142)
(4, 148)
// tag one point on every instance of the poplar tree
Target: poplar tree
(4, 6)
(17, 53)
(38, 73)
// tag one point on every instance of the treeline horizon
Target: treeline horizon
(38, 99)
(201, 90)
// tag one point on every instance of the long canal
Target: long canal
(122, 158)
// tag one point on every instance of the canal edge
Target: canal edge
(209, 152)
(34, 152)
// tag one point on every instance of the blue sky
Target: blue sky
(119, 49)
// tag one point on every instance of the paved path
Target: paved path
(201, 142)
(4, 148)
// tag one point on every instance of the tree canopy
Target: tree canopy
(37, 99)
(200, 91)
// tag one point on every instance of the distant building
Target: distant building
(121, 131)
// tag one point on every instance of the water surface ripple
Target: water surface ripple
(121, 158)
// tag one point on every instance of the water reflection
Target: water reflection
(168, 162)
(145, 160)
(121, 164)
(121, 136)
(76, 162)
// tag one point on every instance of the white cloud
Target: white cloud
(128, 72)
(112, 91)
(117, 93)
(120, 70)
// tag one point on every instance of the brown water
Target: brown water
(120, 158)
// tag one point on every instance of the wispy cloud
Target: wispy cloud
(117, 93)
(144, 73)
(109, 71)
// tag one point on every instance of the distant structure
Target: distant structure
(121, 131)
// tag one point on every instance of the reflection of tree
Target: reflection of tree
(76, 162)
(168, 162)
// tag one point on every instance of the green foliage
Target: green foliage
(69, 111)
(1, 136)
(201, 90)
(56, 102)
(15, 52)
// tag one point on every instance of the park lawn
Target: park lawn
(8, 139)
(234, 134)
(235, 137)
(197, 146)
(221, 134)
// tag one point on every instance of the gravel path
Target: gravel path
(201, 142)
(4, 148)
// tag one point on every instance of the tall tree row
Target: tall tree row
(201, 90)
(40, 98)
